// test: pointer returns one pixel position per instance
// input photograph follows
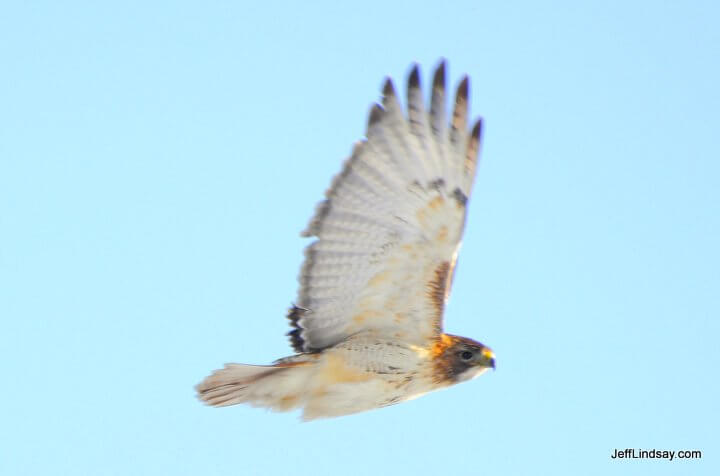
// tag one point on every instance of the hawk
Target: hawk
(367, 323)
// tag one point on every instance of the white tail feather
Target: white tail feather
(278, 387)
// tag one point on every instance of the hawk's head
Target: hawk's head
(458, 359)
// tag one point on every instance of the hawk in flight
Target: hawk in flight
(367, 325)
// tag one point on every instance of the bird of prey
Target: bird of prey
(367, 325)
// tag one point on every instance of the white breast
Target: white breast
(363, 373)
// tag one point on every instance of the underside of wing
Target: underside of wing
(389, 230)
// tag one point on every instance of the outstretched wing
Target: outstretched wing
(390, 229)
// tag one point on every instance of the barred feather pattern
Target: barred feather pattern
(388, 232)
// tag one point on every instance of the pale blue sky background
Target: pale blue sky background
(158, 160)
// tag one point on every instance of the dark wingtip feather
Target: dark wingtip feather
(414, 78)
(439, 78)
(437, 101)
(376, 113)
(477, 130)
(463, 88)
(388, 88)
(460, 112)
(474, 142)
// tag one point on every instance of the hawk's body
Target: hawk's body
(368, 321)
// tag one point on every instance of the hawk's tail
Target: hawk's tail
(278, 387)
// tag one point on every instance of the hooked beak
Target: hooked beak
(488, 358)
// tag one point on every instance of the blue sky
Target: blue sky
(157, 162)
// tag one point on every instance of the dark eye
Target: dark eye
(466, 355)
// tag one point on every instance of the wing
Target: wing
(390, 229)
